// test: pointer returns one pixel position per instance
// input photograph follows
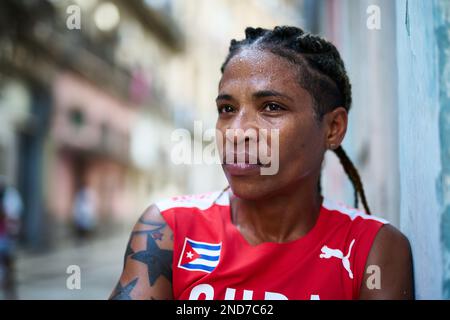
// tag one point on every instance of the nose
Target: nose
(243, 127)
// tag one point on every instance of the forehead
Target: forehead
(260, 70)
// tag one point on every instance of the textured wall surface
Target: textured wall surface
(419, 56)
(442, 34)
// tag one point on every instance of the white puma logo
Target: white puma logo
(328, 253)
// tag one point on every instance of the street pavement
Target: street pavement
(44, 276)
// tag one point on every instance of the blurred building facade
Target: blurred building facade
(70, 111)
(95, 105)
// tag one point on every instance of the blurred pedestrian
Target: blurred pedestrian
(84, 212)
(10, 212)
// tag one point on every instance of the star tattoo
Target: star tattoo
(123, 293)
(128, 252)
(158, 261)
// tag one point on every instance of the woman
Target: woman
(272, 236)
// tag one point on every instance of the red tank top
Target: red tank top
(212, 260)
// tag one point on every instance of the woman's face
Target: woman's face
(260, 90)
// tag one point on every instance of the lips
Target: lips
(242, 164)
(242, 169)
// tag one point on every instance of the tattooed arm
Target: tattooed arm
(147, 271)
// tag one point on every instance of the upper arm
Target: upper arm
(392, 258)
(147, 271)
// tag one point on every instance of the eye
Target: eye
(272, 107)
(225, 108)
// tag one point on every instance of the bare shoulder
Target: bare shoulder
(391, 254)
(390, 240)
(152, 213)
(147, 269)
(151, 226)
(152, 217)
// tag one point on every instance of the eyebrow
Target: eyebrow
(270, 93)
(224, 96)
(256, 95)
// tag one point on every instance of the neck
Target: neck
(282, 217)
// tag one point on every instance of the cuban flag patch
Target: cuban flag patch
(199, 256)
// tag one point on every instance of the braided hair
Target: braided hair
(323, 76)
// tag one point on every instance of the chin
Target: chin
(250, 189)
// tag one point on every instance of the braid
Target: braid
(322, 74)
(353, 174)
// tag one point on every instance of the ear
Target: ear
(336, 127)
